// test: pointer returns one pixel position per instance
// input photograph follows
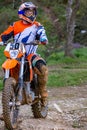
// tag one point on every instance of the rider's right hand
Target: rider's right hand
(1, 43)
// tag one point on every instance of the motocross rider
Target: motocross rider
(27, 30)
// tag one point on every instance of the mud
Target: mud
(67, 110)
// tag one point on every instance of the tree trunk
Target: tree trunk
(70, 21)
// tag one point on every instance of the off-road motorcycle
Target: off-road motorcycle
(19, 84)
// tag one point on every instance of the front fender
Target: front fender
(9, 64)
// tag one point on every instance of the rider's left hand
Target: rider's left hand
(43, 40)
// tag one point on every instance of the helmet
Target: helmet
(23, 8)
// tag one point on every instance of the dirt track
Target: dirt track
(67, 111)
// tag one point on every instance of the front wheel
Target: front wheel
(10, 110)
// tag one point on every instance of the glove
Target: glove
(1, 43)
(43, 40)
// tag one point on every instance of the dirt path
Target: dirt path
(67, 111)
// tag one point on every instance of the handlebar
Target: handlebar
(35, 43)
(31, 43)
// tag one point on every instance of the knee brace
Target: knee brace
(42, 75)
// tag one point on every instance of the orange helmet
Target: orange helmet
(23, 8)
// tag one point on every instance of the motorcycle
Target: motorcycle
(20, 84)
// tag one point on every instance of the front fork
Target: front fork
(7, 72)
(29, 94)
(20, 80)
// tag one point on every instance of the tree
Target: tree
(71, 10)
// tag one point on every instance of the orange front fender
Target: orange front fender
(10, 63)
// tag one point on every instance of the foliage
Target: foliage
(2, 57)
(6, 19)
(1, 83)
(81, 24)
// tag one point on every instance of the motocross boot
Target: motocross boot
(42, 76)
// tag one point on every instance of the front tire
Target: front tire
(10, 110)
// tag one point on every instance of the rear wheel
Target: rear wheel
(10, 110)
(39, 109)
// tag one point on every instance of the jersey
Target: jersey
(25, 33)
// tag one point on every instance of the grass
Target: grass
(2, 57)
(68, 71)
(67, 77)
(80, 61)
(1, 83)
